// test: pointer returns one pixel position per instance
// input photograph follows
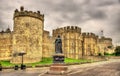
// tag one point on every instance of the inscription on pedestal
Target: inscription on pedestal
(58, 58)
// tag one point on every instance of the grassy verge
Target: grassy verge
(108, 55)
(44, 61)
(69, 60)
(6, 63)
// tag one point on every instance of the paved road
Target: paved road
(27, 72)
(19, 73)
(105, 68)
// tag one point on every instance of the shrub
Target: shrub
(108, 54)
(117, 51)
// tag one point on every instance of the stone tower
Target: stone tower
(27, 36)
(90, 44)
(71, 41)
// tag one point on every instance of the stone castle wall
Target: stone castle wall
(48, 45)
(27, 35)
(5, 45)
(90, 44)
(71, 40)
(65, 30)
(105, 45)
(76, 44)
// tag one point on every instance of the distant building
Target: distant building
(105, 45)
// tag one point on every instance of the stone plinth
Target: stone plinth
(58, 58)
(58, 66)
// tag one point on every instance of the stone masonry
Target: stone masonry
(28, 35)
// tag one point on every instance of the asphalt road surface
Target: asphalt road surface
(104, 68)
(27, 72)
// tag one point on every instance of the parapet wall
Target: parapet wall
(72, 29)
(5, 44)
(23, 12)
(104, 38)
(6, 31)
(108, 39)
(89, 35)
(67, 29)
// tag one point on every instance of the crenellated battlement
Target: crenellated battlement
(23, 12)
(6, 31)
(72, 29)
(104, 38)
(109, 39)
(89, 35)
(67, 29)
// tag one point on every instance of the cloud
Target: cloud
(90, 15)
(103, 3)
(2, 23)
(97, 14)
(114, 23)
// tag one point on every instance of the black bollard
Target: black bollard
(0, 67)
(16, 67)
(23, 67)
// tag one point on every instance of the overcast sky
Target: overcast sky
(90, 15)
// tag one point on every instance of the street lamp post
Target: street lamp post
(22, 53)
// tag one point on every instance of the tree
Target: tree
(117, 51)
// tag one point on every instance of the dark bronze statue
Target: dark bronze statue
(58, 45)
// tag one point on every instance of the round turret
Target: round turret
(27, 36)
(23, 13)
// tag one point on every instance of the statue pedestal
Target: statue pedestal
(58, 58)
(58, 66)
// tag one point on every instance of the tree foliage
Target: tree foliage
(117, 51)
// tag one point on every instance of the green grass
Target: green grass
(110, 55)
(45, 61)
(69, 60)
(107, 54)
(6, 63)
